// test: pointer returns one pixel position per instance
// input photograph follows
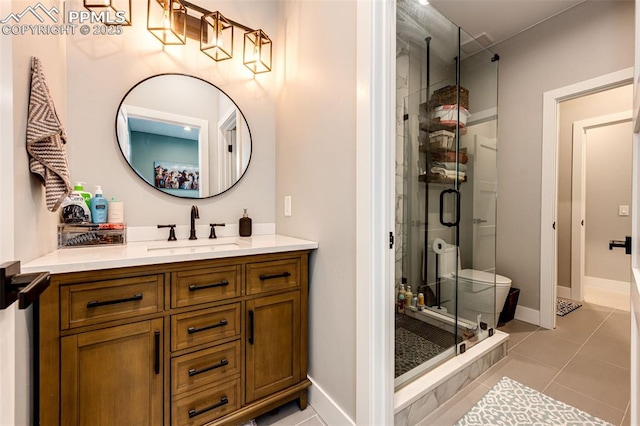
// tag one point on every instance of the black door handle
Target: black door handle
(457, 195)
(626, 244)
(25, 288)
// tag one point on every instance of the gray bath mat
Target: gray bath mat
(563, 307)
(511, 403)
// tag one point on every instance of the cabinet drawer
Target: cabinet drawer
(207, 405)
(269, 276)
(204, 367)
(100, 301)
(204, 285)
(204, 326)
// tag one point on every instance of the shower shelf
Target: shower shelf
(438, 179)
(434, 126)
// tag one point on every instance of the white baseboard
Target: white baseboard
(564, 292)
(604, 284)
(532, 316)
(326, 407)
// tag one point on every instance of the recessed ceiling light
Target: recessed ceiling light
(423, 2)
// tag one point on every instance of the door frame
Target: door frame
(578, 193)
(549, 178)
(8, 401)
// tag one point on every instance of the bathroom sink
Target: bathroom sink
(195, 246)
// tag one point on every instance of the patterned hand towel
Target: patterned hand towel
(45, 140)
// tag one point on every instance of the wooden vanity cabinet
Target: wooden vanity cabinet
(189, 343)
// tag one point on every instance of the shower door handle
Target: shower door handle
(443, 194)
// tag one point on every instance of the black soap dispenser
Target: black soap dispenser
(245, 225)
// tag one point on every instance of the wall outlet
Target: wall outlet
(287, 205)
(623, 210)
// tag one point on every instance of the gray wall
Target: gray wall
(582, 108)
(590, 40)
(35, 226)
(102, 69)
(316, 166)
(608, 186)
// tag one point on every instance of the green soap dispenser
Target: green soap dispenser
(79, 189)
(245, 225)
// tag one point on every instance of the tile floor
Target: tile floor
(290, 415)
(584, 362)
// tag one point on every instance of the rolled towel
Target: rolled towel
(450, 165)
(45, 140)
(448, 173)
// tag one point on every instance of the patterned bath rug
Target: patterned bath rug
(563, 307)
(511, 403)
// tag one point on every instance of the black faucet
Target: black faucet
(194, 215)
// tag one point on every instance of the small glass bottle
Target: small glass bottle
(420, 300)
(400, 304)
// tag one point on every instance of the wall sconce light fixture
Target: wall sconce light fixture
(167, 21)
(216, 36)
(172, 25)
(118, 11)
(257, 51)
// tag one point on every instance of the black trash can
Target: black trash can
(509, 309)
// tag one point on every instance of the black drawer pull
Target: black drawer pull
(96, 303)
(194, 372)
(251, 326)
(192, 330)
(156, 362)
(194, 287)
(271, 277)
(193, 412)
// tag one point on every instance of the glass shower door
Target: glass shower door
(446, 191)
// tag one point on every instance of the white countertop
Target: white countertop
(158, 252)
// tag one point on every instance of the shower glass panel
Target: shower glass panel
(446, 191)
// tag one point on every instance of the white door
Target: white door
(600, 154)
(485, 188)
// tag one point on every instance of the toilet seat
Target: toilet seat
(483, 277)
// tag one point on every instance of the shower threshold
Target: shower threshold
(445, 321)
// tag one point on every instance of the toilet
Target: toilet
(475, 289)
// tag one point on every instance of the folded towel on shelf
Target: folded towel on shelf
(450, 165)
(448, 173)
(45, 140)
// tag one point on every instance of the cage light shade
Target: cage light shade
(257, 51)
(216, 36)
(112, 12)
(167, 21)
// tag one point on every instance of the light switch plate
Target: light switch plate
(623, 210)
(287, 205)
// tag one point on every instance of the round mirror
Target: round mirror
(183, 136)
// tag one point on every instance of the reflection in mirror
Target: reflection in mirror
(183, 136)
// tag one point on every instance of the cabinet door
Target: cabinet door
(113, 376)
(273, 351)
